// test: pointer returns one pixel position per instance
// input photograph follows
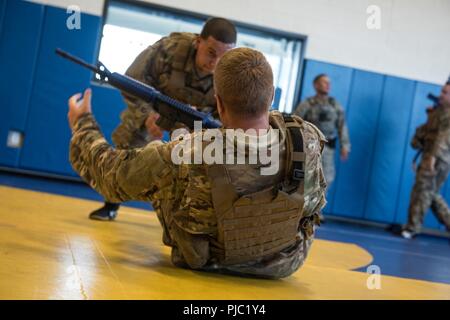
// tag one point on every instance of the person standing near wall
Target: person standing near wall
(328, 115)
(181, 66)
(433, 139)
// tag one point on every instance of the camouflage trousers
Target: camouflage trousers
(328, 165)
(131, 132)
(425, 194)
(127, 137)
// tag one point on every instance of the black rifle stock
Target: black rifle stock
(435, 99)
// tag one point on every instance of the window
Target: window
(131, 27)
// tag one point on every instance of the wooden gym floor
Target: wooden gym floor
(49, 249)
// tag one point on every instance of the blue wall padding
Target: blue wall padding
(107, 104)
(276, 98)
(382, 111)
(47, 133)
(341, 78)
(19, 40)
(418, 117)
(362, 116)
(2, 14)
(446, 192)
(391, 140)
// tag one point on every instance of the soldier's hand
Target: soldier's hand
(79, 107)
(152, 129)
(344, 154)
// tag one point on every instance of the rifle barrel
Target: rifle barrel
(77, 60)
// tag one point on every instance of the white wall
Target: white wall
(413, 41)
(94, 7)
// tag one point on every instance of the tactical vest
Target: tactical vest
(262, 223)
(326, 121)
(180, 83)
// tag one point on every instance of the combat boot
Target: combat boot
(106, 213)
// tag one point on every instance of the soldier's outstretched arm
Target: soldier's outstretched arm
(119, 175)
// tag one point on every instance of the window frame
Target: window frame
(195, 15)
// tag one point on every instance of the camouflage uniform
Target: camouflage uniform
(168, 66)
(433, 138)
(182, 196)
(328, 115)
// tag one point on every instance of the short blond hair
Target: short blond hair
(243, 80)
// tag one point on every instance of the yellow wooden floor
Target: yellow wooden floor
(49, 249)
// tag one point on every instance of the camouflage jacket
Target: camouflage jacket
(433, 137)
(180, 193)
(328, 116)
(169, 66)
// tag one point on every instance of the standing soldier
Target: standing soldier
(328, 115)
(433, 139)
(224, 217)
(180, 66)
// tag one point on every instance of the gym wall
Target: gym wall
(384, 101)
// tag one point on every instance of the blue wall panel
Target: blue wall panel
(382, 113)
(418, 117)
(107, 104)
(19, 43)
(445, 191)
(46, 143)
(2, 13)
(391, 140)
(362, 115)
(341, 78)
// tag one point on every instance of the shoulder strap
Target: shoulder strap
(311, 101)
(182, 51)
(332, 101)
(297, 156)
